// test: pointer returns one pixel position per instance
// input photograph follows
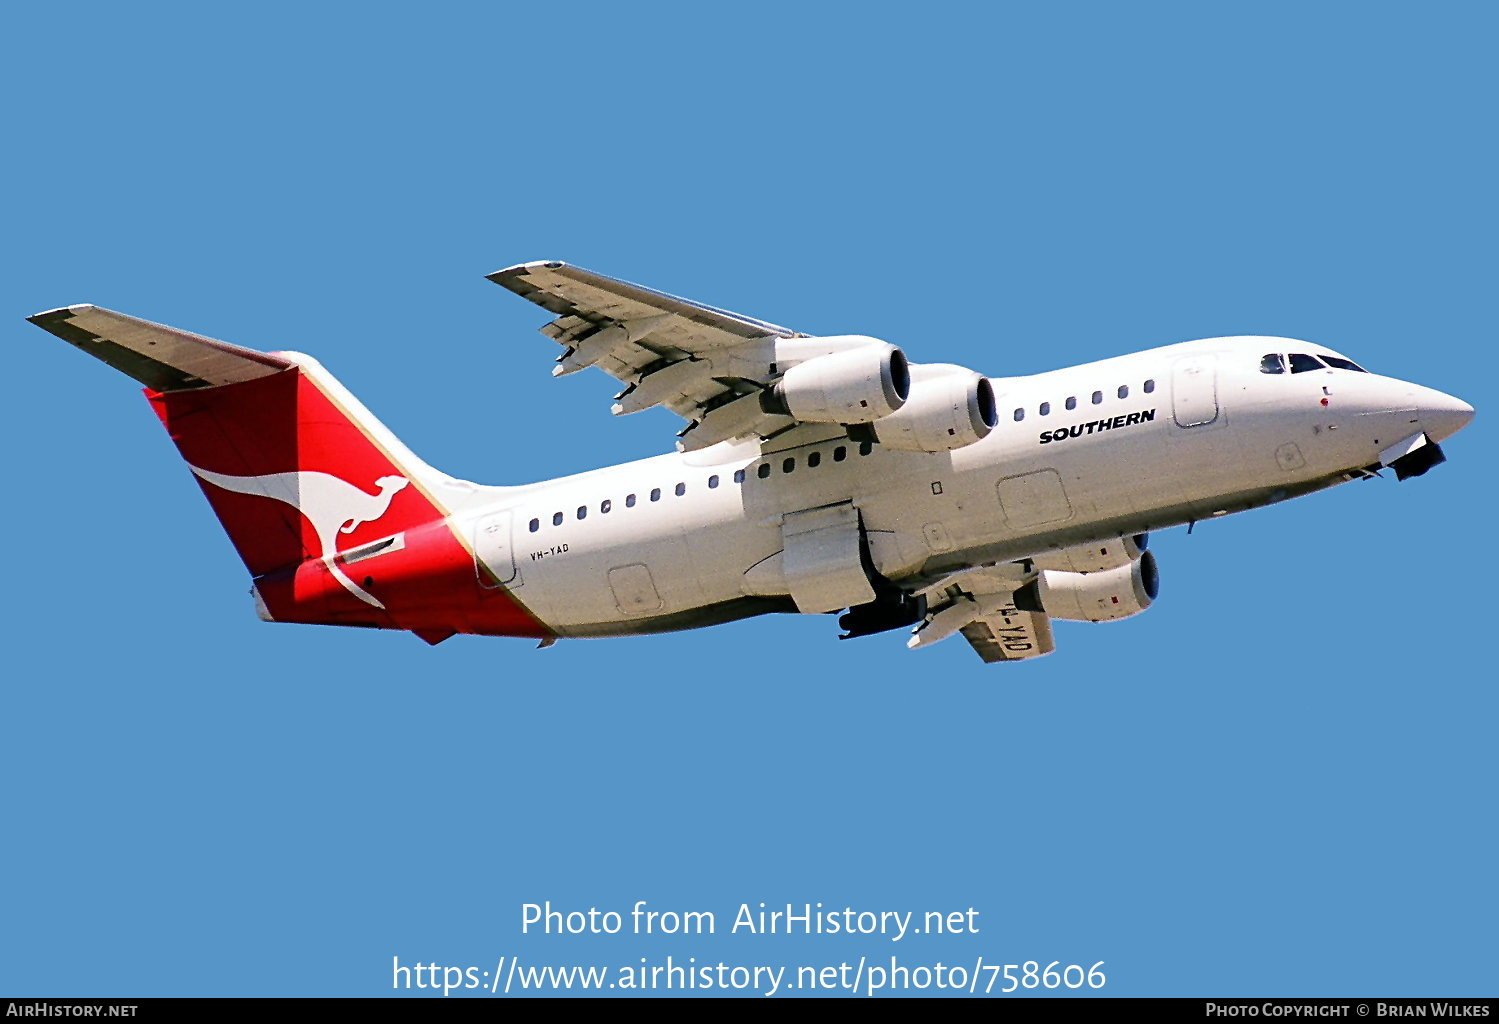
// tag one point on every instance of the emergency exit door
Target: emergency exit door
(1194, 391)
(493, 551)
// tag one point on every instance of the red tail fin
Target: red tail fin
(331, 487)
(336, 519)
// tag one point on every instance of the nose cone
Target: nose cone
(1441, 414)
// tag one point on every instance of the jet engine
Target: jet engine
(856, 385)
(1102, 596)
(1104, 554)
(949, 407)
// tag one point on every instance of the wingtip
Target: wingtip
(522, 268)
(60, 313)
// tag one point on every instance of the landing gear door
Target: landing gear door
(494, 553)
(822, 560)
(1194, 391)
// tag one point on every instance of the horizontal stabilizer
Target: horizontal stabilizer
(162, 358)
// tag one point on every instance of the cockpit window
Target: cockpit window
(1273, 363)
(1302, 363)
(1340, 363)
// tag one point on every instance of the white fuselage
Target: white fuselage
(1107, 449)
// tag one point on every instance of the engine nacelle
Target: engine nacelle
(859, 384)
(1095, 557)
(1102, 596)
(949, 407)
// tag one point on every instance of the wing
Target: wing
(988, 606)
(585, 301)
(730, 376)
(1008, 634)
(707, 365)
(733, 377)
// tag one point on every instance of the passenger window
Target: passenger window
(788, 465)
(865, 447)
(1019, 415)
(1302, 363)
(1150, 387)
(629, 501)
(681, 489)
(713, 481)
(763, 471)
(1098, 398)
(557, 519)
(840, 453)
(1341, 363)
(655, 494)
(1045, 408)
(814, 460)
(1273, 363)
(1071, 402)
(582, 511)
(605, 505)
(1124, 391)
(535, 525)
(739, 476)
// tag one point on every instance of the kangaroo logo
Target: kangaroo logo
(331, 505)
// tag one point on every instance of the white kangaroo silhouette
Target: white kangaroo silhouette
(331, 505)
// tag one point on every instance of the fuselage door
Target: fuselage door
(493, 550)
(1194, 391)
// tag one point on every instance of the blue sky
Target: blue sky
(1278, 781)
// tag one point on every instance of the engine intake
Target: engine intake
(949, 407)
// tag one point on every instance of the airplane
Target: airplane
(814, 475)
